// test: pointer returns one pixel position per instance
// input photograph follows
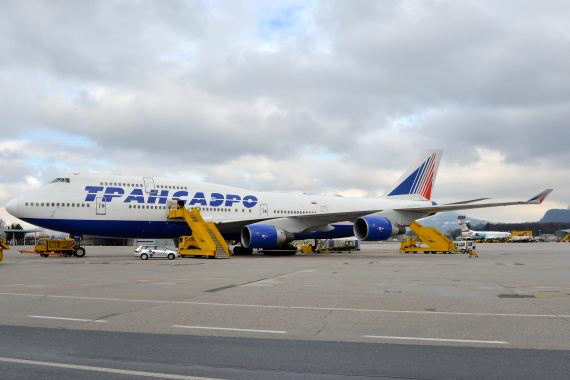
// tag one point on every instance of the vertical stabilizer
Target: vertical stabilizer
(417, 182)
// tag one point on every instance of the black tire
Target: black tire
(44, 255)
(239, 250)
(144, 256)
(171, 256)
(79, 252)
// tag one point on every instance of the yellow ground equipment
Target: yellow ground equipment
(205, 240)
(566, 238)
(435, 241)
(3, 246)
(521, 236)
(56, 247)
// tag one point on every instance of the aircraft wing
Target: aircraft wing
(299, 223)
(321, 221)
(537, 199)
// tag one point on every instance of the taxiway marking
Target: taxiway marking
(102, 369)
(284, 307)
(67, 319)
(230, 329)
(436, 339)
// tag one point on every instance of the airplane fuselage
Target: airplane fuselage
(115, 206)
(485, 235)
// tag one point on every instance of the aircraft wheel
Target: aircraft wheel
(239, 250)
(144, 256)
(171, 256)
(79, 252)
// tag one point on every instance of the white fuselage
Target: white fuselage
(118, 206)
(485, 235)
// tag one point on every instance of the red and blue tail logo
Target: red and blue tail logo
(419, 178)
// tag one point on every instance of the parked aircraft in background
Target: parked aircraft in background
(467, 233)
(128, 206)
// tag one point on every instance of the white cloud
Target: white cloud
(321, 96)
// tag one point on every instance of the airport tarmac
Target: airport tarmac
(374, 313)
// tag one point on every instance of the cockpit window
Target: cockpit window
(66, 180)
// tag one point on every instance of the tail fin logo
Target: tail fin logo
(421, 180)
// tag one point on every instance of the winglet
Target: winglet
(538, 199)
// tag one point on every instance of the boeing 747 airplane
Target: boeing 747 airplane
(136, 207)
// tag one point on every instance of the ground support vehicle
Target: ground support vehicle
(155, 252)
(3, 246)
(205, 240)
(465, 246)
(429, 240)
(46, 247)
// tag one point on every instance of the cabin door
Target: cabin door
(148, 184)
(264, 210)
(100, 206)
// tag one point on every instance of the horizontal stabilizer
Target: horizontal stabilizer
(464, 206)
(538, 199)
(466, 202)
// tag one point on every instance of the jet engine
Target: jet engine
(263, 236)
(376, 228)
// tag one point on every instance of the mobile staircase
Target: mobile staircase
(3, 245)
(205, 240)
(435, 241)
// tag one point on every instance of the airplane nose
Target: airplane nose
(12, 207)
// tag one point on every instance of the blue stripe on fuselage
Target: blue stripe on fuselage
(158, 229)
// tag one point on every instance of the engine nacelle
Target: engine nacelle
(375, 228)
(264, 236)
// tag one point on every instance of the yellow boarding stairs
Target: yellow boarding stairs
(205, 240)
(435, 241)
(3, 245)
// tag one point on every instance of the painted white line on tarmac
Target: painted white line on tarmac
(67, 319)
(436, 339)
(284, 307)
(102, 369)
(230, 329)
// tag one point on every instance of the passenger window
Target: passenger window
(25, 204)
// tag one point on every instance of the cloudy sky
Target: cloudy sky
(330, 97)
